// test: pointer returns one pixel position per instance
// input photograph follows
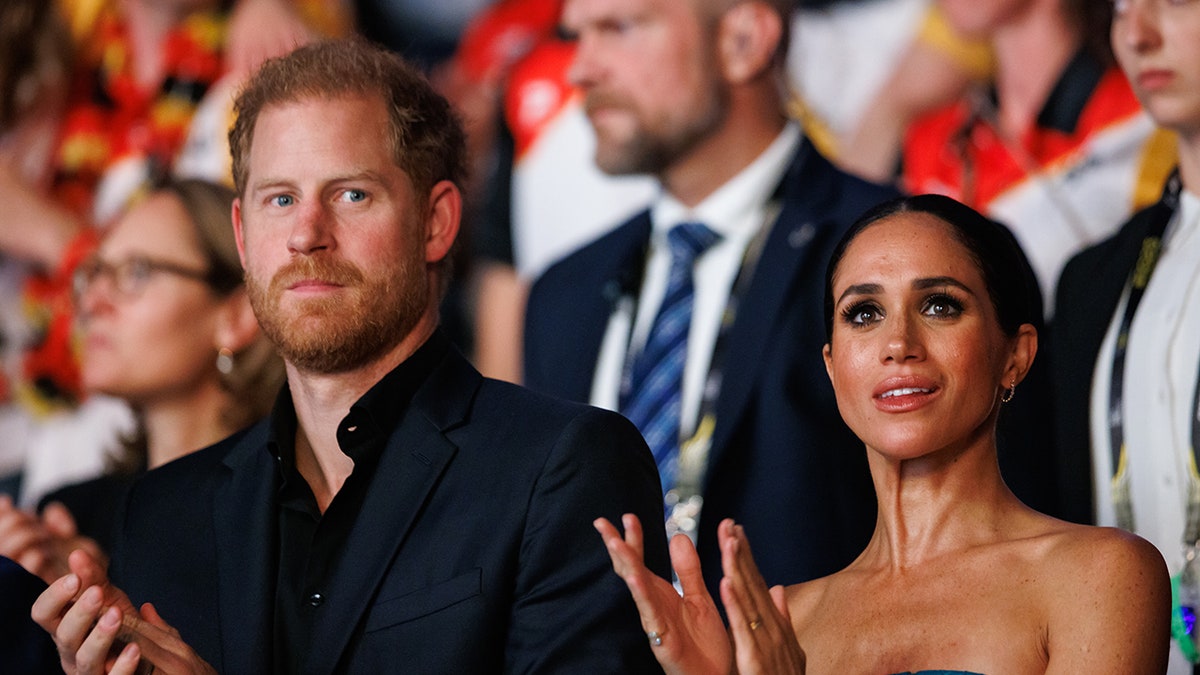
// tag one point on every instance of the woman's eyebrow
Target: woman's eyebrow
(860, 289)
(933, 282)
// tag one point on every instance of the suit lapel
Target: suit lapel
(621, 261)
(787, 249)
(244, 518)
(416, 455)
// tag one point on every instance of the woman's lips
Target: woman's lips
(1153, 80)
(904, 394)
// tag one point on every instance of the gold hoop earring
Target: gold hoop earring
(225, 360)
(1009, 393)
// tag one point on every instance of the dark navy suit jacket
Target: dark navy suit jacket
(24, 646)
(474, 550)
(782, 462)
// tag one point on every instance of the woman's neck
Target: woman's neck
(177, 427)
(936, 504)
(1188, 148)
(1031, 54)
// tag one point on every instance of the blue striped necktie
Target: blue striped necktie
(655, 386)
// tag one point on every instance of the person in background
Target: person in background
(34, 64)
(358, 527)
(1127, 334)
(166, 327)
(714, 292)
(1055, 145)
(932, 313)
(864, 70)
(549, 171)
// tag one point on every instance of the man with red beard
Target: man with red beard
(396, 511)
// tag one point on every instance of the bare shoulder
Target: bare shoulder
(1080, 563)
(1102, 552)
(1107, 601)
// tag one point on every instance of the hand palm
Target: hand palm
(694, 639)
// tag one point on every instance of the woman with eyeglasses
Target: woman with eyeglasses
(164, 325)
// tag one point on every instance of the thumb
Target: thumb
(779, 597)
(150, 615)
(58, 521)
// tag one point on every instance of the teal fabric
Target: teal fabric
(940, 672)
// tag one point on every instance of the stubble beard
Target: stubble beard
(646, 151)
(338, 334)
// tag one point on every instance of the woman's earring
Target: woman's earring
(1009, 393)
(225, 360)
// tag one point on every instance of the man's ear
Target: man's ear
(236, 215)
(748, 36)
(442, 220)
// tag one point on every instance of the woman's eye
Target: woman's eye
(942, 306)
(861, 314)
(136, 271)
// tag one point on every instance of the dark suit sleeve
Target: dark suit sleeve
(24, 646)
(571, 612)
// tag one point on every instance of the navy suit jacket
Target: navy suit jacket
(1088, 294)
(782, 462)
(474, 550)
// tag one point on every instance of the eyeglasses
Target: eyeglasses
(130, 276)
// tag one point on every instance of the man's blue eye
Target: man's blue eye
(354, 195)
(283, 200)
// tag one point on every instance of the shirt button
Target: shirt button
(316, 599)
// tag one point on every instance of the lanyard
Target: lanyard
(1148, 258)
(683, 501)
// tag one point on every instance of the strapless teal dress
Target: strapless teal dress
(940, 672)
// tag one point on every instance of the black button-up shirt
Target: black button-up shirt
(310, 543)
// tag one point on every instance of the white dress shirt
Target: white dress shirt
(1160, 382)
(739, 210)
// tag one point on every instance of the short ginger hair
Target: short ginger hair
(426, 137)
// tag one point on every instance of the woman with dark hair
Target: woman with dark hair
(165, 326)
(932, 313)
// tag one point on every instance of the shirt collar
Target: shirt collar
(372, 417)
(1186, 220)
(723, 210)
(1065, 103)
(1071, 93)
